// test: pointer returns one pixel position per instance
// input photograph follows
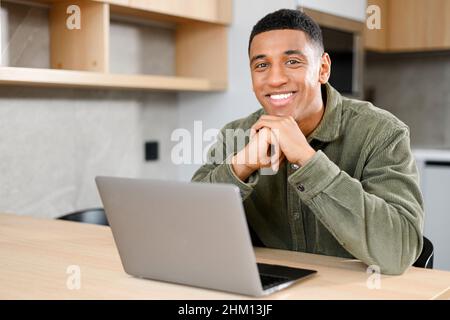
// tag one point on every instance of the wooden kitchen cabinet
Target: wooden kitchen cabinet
(417, 25)
(80, 56)
(376, 39)
(411, 25)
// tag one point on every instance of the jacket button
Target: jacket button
(301, 188)
(294, 166)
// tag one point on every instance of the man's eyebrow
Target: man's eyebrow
(292, 51)
(287, 53)
(259, 56)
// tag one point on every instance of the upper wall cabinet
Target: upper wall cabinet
(79, 45)
(411, 25)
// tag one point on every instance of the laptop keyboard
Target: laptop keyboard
(273, 275)
(269, 281)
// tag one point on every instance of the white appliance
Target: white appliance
(434, 169)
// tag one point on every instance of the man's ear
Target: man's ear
(325, 68)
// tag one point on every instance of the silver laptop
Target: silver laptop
(188, 233)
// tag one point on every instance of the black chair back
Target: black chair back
(425, 259)
(93, 216)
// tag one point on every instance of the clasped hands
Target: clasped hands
(272, 140)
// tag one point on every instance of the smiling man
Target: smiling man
(343, 182)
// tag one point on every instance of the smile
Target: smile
(281, 99)
(281, 96)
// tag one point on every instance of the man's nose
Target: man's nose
(277, 76)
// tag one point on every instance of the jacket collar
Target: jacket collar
(329, 127)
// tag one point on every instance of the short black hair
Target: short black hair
(289, 19)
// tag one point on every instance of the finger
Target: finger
(275, 166)
(263, 131)
(263, 137)
(276, 160)
(277, 118)
(270, 117)
(263, 123)
(263, 146)
(252, 133)
(275, 136)
(258, 144)
(280, 161)
(275, 151)
(266, 134)
(257, 125)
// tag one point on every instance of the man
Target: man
(345, 181)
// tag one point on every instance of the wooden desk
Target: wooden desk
(35, 255)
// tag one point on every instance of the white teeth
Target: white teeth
(281, 96)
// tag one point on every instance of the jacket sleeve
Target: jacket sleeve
(218, 167)
(379, 219)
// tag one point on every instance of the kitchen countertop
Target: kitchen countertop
(431, 154)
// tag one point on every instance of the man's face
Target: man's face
(287, 71)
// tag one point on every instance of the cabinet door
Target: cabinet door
(436, 188)
(376, 39)
(418, 25)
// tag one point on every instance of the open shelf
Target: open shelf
(211, 11)
(84, 79)
(80, 58)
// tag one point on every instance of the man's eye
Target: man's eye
(261, 65)
(292, 62)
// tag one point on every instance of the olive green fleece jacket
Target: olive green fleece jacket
(358, 197)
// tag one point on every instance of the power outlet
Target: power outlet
(151, 150)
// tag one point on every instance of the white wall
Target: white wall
(352, 9)
(217, 109)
